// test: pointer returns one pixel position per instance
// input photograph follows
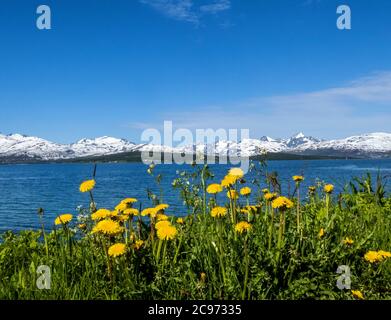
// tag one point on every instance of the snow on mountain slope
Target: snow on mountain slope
(33, 147)
(372, 142)
(16, 145)
(363, 144)
(101, 146)
(250, 147)
(301, 141)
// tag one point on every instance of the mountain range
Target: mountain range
(22, 148)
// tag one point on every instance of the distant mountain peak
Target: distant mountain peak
(300, 139)
(371, 144)
(298, 135)
(267, 138)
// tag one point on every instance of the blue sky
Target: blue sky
(116, 67)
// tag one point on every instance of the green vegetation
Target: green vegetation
(263, 246)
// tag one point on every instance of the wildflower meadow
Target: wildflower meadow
(236, 239)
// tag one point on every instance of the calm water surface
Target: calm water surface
(54, 187)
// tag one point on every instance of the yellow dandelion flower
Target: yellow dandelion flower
(82, 226)
(270, 196)
(167, 232)
(328, 188)
(138, 244)
(162, 224)
(311, 189)
(203, 277)
(180, 221)
(372, 256)
(114, 213)
(218, 212)
(242, 227)
(236, 172)
(298, 178)
(121, 207)
(348, 241)
(282, 203)
(232, 194)
(101, 214)
(161, 217)
(153, 213)
(129, 200)
(384, 254)
(122, 218)
(161, 207)
(376, 256)
(148, 212)
(108, 227)
(87, 186)
(246, 191)
(250, 209)
(63, 219)
(117, 250)
(245, 209)
(321, 233)
(357, 294)
(94, 230)
(131, 212)
(228, 181)
(214, 188)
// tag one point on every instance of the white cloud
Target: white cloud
(187, 10)
(363, 105)
(216, 7)
(375, 88)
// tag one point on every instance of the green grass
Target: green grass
(208, 259)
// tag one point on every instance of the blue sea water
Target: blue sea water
(54, 187)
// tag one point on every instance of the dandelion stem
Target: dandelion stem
(298, 209)
(271, 228)
(247, 259)
(327, 205)
(158, 250)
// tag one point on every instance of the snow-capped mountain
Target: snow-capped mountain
(21, 146)
(366, 145)
(16, 147)
(300, 140)
(101, 146)
(372, 144)
(32, 147)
